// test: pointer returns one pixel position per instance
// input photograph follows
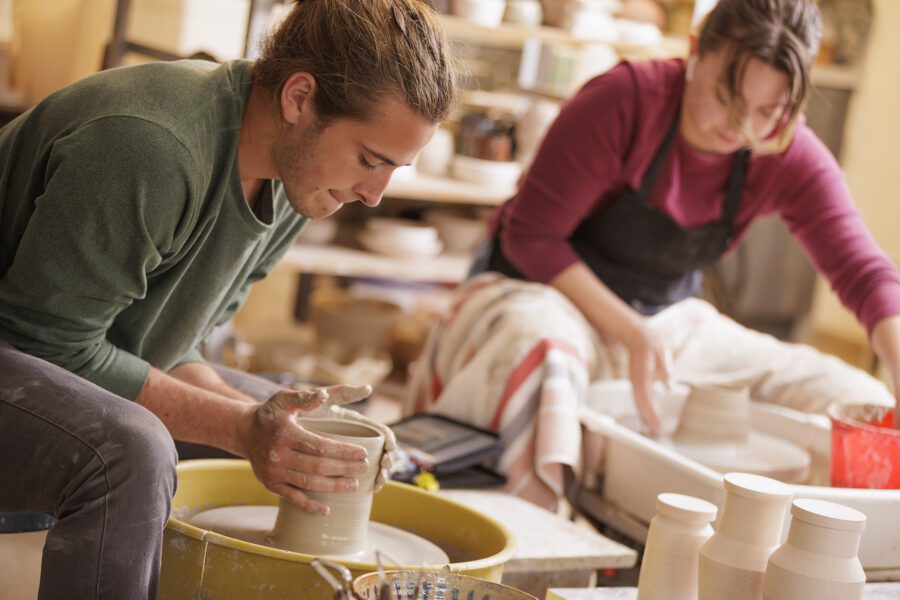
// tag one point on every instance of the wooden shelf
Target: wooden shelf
(445, 189)
(514, 36)
(350, 262)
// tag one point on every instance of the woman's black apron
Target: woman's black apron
(642, 254)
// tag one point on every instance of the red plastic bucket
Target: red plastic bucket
(865, 447)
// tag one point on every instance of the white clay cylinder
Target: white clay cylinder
(819, 559)
(669, 567)
(344, 530)
(733, 561)
(714, 413)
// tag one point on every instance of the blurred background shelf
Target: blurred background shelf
(445, 189)
(513, 37)
(350, 262)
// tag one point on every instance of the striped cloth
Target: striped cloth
(491, 362)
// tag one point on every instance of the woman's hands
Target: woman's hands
(288, 459)
(648, 361)
(886, 343)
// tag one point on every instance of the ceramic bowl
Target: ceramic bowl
(403, 230)
(319, 231)
(488, 13)
(459, 234)
(381, 242)
(359, 325)
(488, 172)
(638, 34)
(524, 13)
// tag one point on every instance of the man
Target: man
(136, 208)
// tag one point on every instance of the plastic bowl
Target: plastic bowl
(197, 563)
(865, 448)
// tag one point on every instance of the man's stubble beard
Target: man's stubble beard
(293, 157)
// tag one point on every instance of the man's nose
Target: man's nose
(371, 191)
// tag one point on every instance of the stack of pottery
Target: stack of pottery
(733, 561)
(670, 563)
(819, 559)
(715, 431)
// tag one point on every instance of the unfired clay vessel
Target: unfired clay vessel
(669, 567)
(343, 530)
(818, 561)
(733, 561)
(715, 431)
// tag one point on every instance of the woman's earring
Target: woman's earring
(691, 65)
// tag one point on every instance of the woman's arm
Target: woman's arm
(648, 359)
(886, 343)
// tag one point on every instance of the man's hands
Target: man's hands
(338, 395)
(287, 459)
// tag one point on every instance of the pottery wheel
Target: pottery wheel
(761, 454)
(253, 524)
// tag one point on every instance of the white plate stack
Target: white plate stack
(400, 237)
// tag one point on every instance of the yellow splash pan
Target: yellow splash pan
(202, 564)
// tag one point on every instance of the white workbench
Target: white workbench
(874, 591)
(552, 551)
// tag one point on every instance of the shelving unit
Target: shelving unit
(444, 189)
(514, 36)
(350, 262)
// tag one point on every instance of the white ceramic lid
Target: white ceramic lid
(756, 487)
(686, 508)
(828, 514)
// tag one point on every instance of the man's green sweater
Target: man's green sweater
(125, 237)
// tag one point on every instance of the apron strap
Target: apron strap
(659, 159)
(735, 187)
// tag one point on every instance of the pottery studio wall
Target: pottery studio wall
(53, 43)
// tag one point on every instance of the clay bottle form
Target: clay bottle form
(669, 566)
(733, 561)
(344, 530)
(818, 561)
(714, 413)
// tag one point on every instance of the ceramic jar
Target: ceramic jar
(524, 13)
(344, 530)
(733, 561)
(435, 157)
(669, 566)
(487, 13)
(818, 561)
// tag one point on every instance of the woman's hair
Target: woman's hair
(781, 33)
(361, 51)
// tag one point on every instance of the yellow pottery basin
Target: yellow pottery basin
(201, 564)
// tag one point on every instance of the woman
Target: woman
(654, 170)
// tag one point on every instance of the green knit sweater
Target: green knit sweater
(125, 237)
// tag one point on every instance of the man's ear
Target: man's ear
(297, 97)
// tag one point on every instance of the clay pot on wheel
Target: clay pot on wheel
(343, 531)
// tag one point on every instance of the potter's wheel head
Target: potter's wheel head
(759, 454)
(253, 524)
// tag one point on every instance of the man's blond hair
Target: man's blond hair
(361, 51)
